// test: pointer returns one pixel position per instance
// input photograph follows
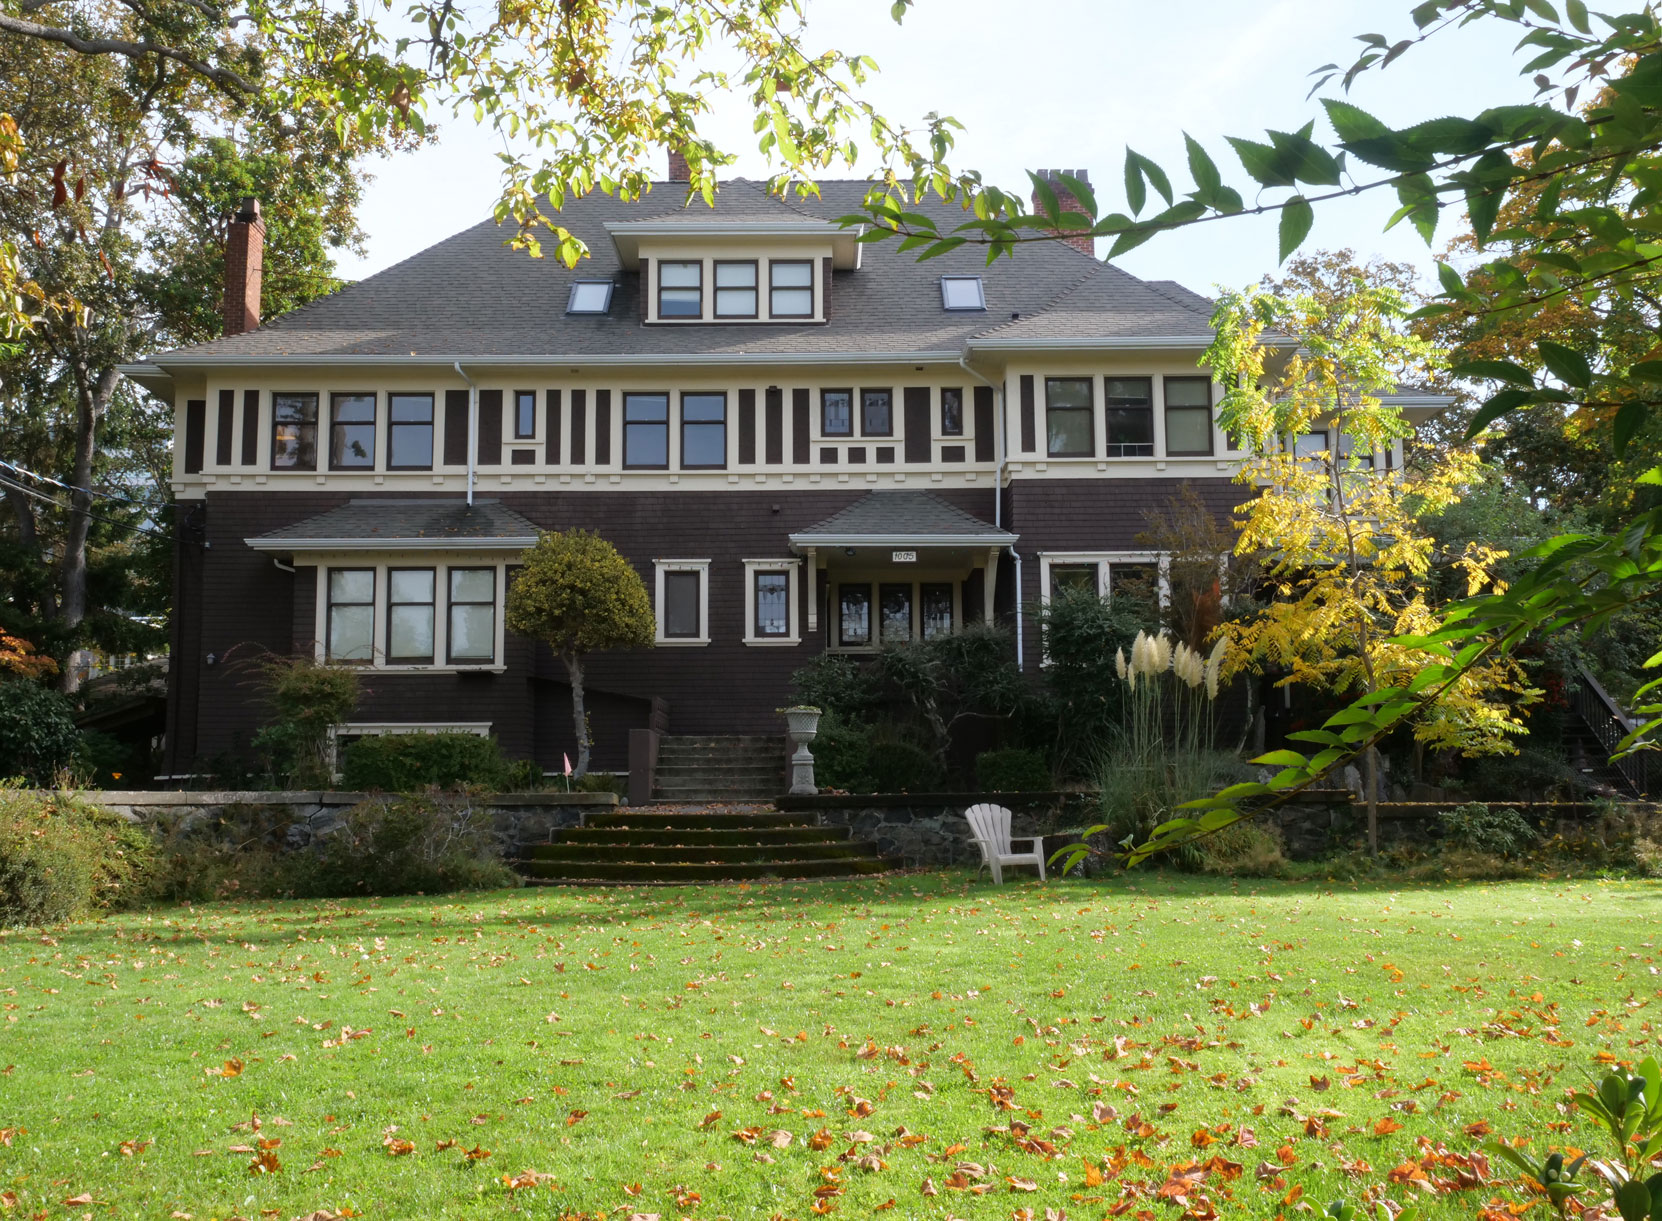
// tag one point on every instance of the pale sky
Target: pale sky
(1068, 84)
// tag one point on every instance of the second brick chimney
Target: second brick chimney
(1078, 239)
(244, 268)
(678, 168)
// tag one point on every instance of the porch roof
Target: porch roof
(902, 519)
(404, 524)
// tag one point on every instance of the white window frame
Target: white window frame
(791, 567)
(441, 566)
(702, 568)
(1104, 561)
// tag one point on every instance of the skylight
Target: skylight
(590, 297)
(962, 292)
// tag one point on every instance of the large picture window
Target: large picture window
(646, 432)
(703, 432)
(1130, 416)
(410, 432)
(836, 413)
(294, 432)
(876, 413)
(472, 625)
(791, 289)
(1070, 409)
(680, 290)
(352, 432)
(351, 615)
(869, 614)
(1188, 416)
(736, 289)
(410, 604)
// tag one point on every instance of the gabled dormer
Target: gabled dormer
(745, 271)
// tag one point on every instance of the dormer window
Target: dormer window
(590, 297)
(962, 292)
(736, 289)
(680, 290)
(791, 288)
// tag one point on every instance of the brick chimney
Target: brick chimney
(244, 266)
(678, 169)
(1078, 239)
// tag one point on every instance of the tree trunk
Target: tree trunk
(1372, 781)
(28, 537)
(579, 716)
(93, 397)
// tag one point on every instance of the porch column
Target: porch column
(988, 586)
(813, 588)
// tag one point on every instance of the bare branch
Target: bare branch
(227, 80)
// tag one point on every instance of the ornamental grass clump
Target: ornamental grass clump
(1165, 753)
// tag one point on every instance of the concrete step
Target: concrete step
(659, 818)
(782, 855)
(622, 872)
(626, 837)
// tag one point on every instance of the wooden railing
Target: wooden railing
(1610, 723)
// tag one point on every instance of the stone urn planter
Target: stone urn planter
(802, 724)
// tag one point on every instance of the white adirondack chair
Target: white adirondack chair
(990, 829)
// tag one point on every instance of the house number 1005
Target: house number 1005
(904, 557)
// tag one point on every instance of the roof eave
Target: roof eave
(988, 538)
(154, 378)
(845, 244)
(359, 543)
(593, 360)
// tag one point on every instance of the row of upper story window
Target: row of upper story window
(309, 431)
(1125, 425)
(733, 290)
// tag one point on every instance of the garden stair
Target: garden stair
(719, 767)
(666, 844)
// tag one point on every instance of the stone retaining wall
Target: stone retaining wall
(929, 828)
(519, 818)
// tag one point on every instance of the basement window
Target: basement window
(590, 297)
(962, 292)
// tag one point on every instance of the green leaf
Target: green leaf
(1282, 758)
(1136, 194)
(1081, 190)
(1155, 175)
(1450, 279)
(1296, 218)
(1633, 1201)
(1566, 364)
(1261, 162)
(1353, 123)
(1048, 203)
(1203, 169)
(1495, 371)
(1576, 10)
(1628, 419)
(1646, 371)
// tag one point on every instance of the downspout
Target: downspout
(472, 428)
(998, 486)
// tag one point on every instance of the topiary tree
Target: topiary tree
(578, 596)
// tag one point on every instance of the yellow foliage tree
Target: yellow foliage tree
(1335, 526)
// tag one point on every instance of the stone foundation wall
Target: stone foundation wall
(929, 828)
(518, 818)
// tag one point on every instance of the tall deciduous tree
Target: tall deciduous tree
(1346, 559)
(578, 596)
(126, 181)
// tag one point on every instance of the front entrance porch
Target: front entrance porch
(898, 566)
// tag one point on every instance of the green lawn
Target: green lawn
(615, 1041)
